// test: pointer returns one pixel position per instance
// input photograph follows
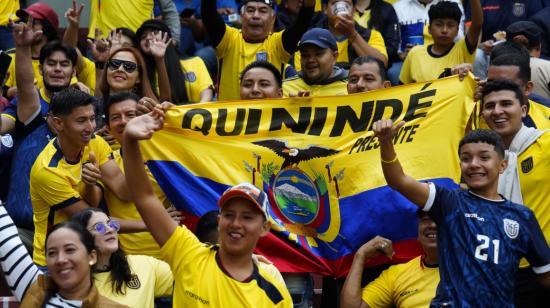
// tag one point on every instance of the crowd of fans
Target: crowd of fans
(85, 224)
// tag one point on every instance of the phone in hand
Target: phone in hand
(186, 13)
(5, 61)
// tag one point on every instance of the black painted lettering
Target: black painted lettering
(253, 121)
(357, 143)
(319, 120)
(222, 120)
(206, 120)
(414, 105)
(412, 132)
(394, 104)
(345, 114)
(281, 116)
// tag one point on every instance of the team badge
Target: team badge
(261, 56)
(190, 76)
(134, 282)
(518, 9)
(511, 227)
(527, 164)
(7, 141)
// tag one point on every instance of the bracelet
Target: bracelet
(389, 161)
(100, 65)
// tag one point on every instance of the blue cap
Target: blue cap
(319, 37)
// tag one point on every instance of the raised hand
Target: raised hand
(376, 246)
(90, 170)
(73, 13)
(385, 129)
(143, 127)
(99, 47)
(23, 34)
(175, 214)
(158, 44)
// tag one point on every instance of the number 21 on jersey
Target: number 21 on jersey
(484, 246)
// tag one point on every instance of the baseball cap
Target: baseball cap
(39, 10)
(246, 191)
(268, 2)
(319, 37)
(526, 28)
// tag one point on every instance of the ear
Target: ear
(503, 166)
(57, 123)
(92, 258)
(39, 69)
(218, 222)
(529, 88)
(73, 74)
(524, 110)
(387, 84)
(266, 226)
(280, 92)
(335, 55)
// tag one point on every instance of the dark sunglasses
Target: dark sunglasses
(101, 227)
(128, 66)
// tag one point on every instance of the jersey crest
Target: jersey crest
(518, 9)
(527, 164)
(511, 227)
(134, 282)
(261, 56)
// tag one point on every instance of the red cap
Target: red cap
(40, 10)
(249, 192)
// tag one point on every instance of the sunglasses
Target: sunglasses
(128, 66)
(101, 227)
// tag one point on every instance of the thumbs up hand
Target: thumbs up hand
(90, 170)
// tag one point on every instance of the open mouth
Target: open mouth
(235, 236)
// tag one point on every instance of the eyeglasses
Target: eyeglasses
(128, 66)
(101, 227)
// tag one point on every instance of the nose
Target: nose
(361, 85)
(61, 258)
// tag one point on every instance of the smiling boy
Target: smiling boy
(481, 235)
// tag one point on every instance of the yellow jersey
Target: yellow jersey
(376, 41)
(197, 78)
(422, 65)
(538, 116)
(201, 281)
(152, 278)
(138, 243)
(107, 15)
(294, 84)
(410, 285)
(7, 11)
(57, 184)
(534, 171)
(234, 54)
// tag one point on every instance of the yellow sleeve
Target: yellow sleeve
(164, 281)
(52, 187)
(275, 45)
(540, 115)
(180, 249)
(376, 41)
(204, 80)
(379, 293)
(230, 36)
(297, 59)
(405, 75)
(87, 74)
(102, 150)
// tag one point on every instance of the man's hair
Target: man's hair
(265, 65)
(368, 59)
(484, 136)
(512, 59)
(510, 47)
(207, 223)
(502, 85)
(48, 30)
(68, 99)
(445, 10)
(115, 99)
(53, 46)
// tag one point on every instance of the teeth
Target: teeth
(65, 271)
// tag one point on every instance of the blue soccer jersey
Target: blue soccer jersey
(480, 243)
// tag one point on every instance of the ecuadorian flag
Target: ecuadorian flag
(319, 163)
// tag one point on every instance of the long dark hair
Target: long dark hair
(118, 264)
(376, 19)
(176, 73)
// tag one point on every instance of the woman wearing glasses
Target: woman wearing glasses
(70, 256)
(132, 280)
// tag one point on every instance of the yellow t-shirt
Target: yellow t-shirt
(234, 54)
(409, 285)
(107, 15)
(152, 278)
(85, 76)
(7, 11)
(200, 280)
(55, 185)
(294, 84)
(197, 78)
(362, 18)
(139, 243)
(534, 170)
(376, 41)
(421, 65)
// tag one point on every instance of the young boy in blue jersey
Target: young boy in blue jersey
(481, 235)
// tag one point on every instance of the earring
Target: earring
(92, 263)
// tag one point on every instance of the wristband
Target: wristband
(100, 65)
(389, 161)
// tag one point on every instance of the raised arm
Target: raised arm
(293, 34)
(19, 269)
(472, 37)
(156, 47)
(171, 18)
(157, 219)
(213, 21)
(413, 190)
(70, 37)
(28, 103)
(351, 291)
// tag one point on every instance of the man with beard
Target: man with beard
(27, 114)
